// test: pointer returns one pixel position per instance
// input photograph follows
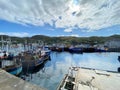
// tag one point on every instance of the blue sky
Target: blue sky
(80, 18)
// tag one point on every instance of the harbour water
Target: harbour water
(52, 72)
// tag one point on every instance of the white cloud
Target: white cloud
(68, 30)
(90, 14)
(73, 35)
(51, 29)
(21, 34)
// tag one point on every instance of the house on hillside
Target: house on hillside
(113, 44)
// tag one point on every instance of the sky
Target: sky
(79, 18)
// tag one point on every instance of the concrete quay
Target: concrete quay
(10, 82)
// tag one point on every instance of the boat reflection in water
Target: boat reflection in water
(119, 58)
(118, 69)
(119, 61)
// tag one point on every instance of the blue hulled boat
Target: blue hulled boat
(14, 69)
(12, 66)
(76, 50)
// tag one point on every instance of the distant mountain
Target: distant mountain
(64, 40)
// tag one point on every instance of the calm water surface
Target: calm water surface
(54, 70)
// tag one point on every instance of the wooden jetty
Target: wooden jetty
(90, 79)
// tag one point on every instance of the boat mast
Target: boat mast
(25, 45)
(8, 44)
(2, 42)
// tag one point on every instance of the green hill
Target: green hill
(63, 40)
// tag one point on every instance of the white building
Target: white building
(113, 44)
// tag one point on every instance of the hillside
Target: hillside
(64, 40)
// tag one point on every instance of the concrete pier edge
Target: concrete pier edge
(11, 82)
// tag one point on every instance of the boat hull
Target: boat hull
(75, 50)
(29, 66)
(15, 70)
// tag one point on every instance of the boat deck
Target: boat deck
(91, 79)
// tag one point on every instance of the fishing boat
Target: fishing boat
(75, 50)
(57, 49)
(33, 71)
(13, 69)
(8, 61)
(3, 55)
(102, 49)
(80, 78)
(31, 59)
(89, 49)
(12, 66)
